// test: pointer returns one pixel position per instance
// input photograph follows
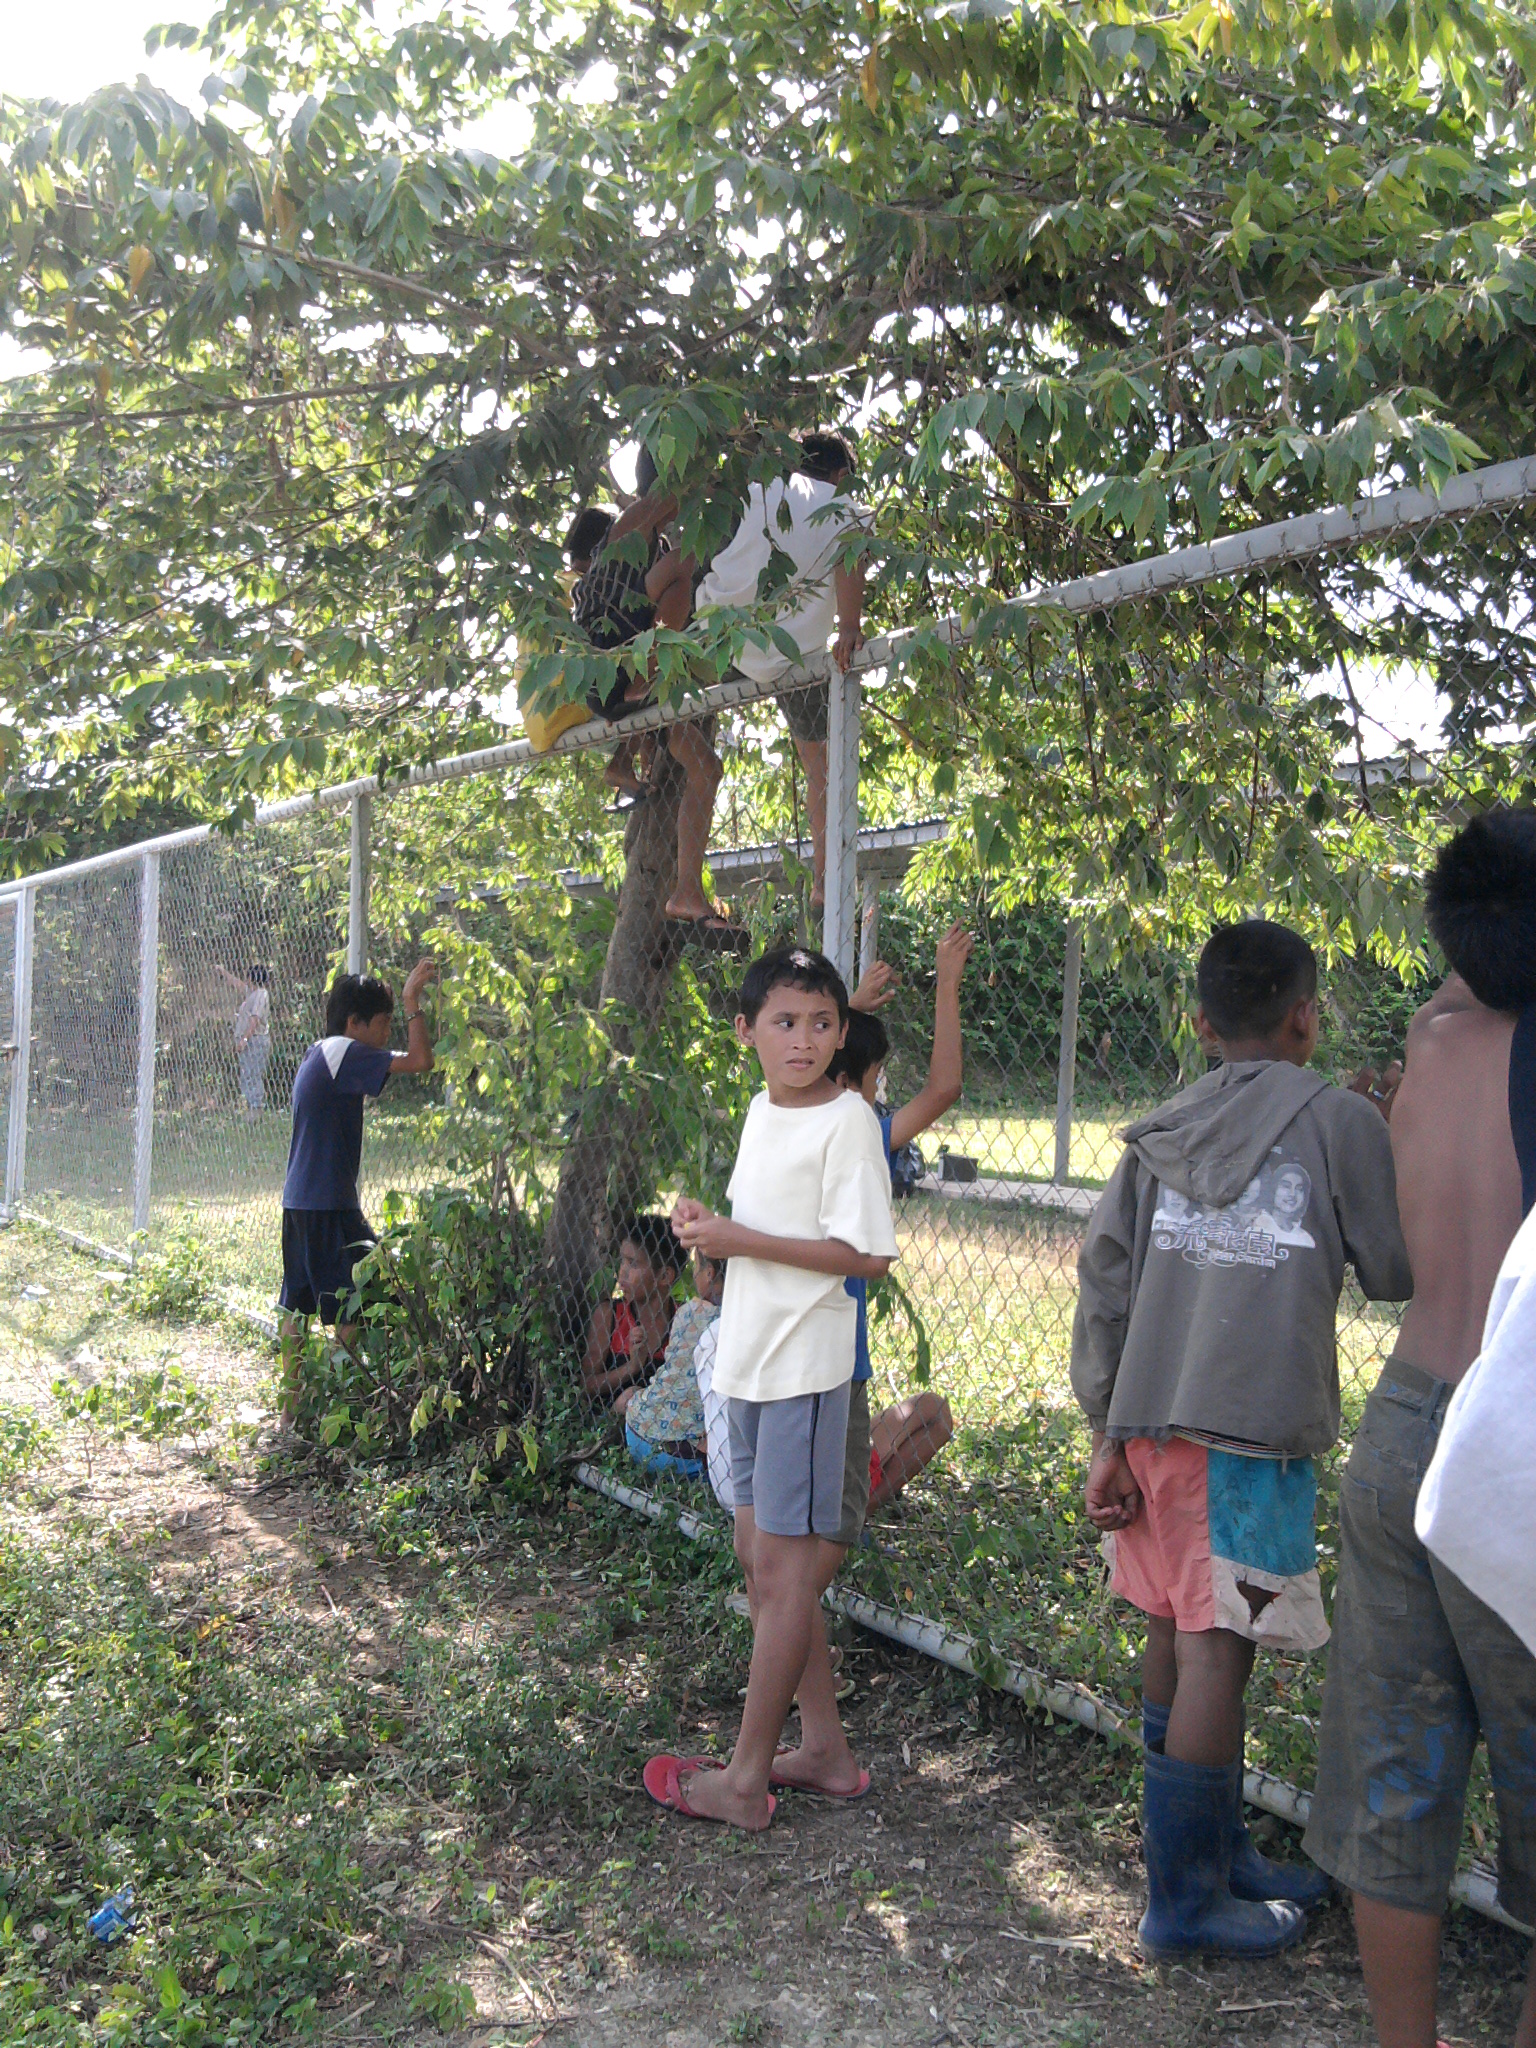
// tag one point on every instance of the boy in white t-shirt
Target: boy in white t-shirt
(810, 1207)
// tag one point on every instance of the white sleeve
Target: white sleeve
(1476, 1509)
(733, 574)
(717, 1432)
(856, 1186)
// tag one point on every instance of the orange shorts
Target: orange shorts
(1222, 1541)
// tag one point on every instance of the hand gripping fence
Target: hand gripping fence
(155, 1002)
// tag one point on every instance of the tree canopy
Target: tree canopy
(322, 383)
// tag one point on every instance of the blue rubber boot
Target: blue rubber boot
(1251, 1874)
(1186, 1831)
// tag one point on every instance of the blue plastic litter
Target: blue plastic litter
(113, 1917)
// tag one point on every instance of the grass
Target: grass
(367, 1751)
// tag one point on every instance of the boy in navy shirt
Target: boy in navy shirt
(324, 1228)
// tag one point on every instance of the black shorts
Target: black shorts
(320, 1248)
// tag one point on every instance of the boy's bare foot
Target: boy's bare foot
(839, 1777)
(713, 1795)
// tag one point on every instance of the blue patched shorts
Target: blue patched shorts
(1222, 1541)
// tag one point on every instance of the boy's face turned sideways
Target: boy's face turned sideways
(637, 1277)
(794, 1035)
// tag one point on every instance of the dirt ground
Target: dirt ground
(985, 1893)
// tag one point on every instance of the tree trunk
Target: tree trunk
(602, 1176)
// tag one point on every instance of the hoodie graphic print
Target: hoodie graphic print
(1209, 1280)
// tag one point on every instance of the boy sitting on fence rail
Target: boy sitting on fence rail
(810, 1207)
(325, 1231)
(1203, 1353)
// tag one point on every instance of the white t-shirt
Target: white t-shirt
(808, 612)
(1477, 1507)
(818, 1172)
(253, 1015)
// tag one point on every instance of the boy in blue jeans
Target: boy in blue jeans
(1204, 1356)
(810, 1207)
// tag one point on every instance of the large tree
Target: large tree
(321, 385)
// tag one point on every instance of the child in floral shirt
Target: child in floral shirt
(664, 1425)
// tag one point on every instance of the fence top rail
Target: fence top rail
(1498, 485)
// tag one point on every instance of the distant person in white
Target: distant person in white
(1477, 1509)
(253, 1037)
(807, 517)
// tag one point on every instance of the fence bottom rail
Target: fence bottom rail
(1472, 1888)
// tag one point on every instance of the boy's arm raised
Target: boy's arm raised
(946, 1063)
(418, 1059)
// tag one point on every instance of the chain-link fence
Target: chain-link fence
(160, 1000)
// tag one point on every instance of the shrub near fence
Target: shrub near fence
(589, 1066)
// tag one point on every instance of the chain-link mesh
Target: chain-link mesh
(9, 1045)
(83, 1081)
(592, 914)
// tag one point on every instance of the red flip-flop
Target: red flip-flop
(661, 1778)
(821, 1791)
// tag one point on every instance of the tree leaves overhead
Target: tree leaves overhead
(322, 381)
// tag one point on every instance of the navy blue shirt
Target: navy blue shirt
(327, 1145)
(859, 1289)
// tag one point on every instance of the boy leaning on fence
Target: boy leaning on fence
(325, 1231)
(1204, 1355)
(810, 1207)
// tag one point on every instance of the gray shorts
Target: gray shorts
(807, 712)
(1419, 1666)
(788, 1462)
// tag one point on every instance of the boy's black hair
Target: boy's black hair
(825, 456)
(587, 532)
(866, 1045)
(355, 995)
(790, 967)
(1251, 975)
(656, 1238)
(645, 472)
(258, 977)
(1481, 902)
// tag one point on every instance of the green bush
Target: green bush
(453, 1331)
(174, 1285)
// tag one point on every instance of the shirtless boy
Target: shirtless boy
(1419, 1665)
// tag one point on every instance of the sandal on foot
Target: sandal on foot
(715, 934)
(662, 1778)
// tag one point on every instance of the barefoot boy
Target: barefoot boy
(1420, 1665)
(1203, 1355)
(810, 1207)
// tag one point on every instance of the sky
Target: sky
(66, 49)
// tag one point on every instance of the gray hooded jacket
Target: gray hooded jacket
(1210, 1276)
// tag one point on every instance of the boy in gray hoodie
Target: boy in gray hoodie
(1204, 1356)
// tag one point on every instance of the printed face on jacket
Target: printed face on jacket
(1261, 1228)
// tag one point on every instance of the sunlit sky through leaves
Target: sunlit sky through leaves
(67, 49)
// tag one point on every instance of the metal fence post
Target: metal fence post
(21, 1058)
(869, 924)
(840, 917)
(149, 998)
(357, 885)
(1066, 1071)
